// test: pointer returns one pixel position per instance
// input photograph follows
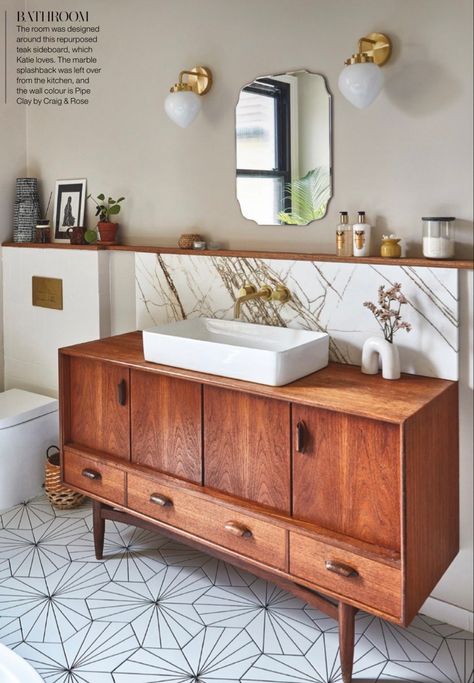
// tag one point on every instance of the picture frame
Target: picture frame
(69, 206)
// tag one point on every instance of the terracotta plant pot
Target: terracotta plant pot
(107, 231)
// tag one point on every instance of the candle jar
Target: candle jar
(42, 231)
(438, 237)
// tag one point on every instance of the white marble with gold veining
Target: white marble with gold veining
(326, 296)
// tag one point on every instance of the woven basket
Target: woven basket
(59, 496)
(187, 240)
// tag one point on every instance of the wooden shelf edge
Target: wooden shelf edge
(460, 264)
(53, 245)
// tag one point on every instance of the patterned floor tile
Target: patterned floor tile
(224, 574)
(156, 611)
(53, 608)
(275, 620)
(10, 631)
(90, 656)
(160, 611)
(28, 515)
(42, 549)
(215, 655)
(130, 554)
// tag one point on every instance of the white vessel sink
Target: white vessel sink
(256, 353)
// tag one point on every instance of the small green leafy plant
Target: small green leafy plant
(105, 208)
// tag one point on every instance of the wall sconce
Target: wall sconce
(183, 103)
(361, 80)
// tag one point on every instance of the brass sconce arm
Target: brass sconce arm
(199, 81)
(378, 50)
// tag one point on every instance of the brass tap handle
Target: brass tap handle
(265, 292)
(237, 529)
(281, 294)
(341, 569)
(246, 289)
(163, 501)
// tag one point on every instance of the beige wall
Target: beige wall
(12, 142)
(408, 155)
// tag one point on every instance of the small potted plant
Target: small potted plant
(105, 208)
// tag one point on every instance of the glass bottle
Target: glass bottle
(343, 235)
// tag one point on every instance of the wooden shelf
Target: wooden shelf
(466, 264)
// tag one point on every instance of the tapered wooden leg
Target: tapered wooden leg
(99, 529)
(346, 615)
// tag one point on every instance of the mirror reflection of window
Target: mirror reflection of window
(283, 164)
(263, 149)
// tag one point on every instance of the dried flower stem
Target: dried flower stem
(389, 319)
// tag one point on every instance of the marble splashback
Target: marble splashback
(326, 296)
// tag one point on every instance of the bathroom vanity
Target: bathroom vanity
(340, 487)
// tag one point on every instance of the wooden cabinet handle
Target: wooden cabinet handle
(237, 529)
(91, 474)
(300, 437)
(122, 392)
(158, 499)
(341, 569)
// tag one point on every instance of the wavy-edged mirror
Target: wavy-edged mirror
(283, 149)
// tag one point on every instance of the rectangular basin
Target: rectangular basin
(255, 353)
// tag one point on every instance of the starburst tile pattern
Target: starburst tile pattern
(156, 611)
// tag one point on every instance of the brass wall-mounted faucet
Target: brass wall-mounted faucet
(249, 292)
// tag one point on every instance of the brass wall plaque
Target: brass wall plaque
(47, 292)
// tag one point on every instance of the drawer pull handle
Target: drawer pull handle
(300, 437)
(341, 569)
(158, 499)
(122, 392)
(238, 529)
(91, 474)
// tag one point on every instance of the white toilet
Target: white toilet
(28, 425)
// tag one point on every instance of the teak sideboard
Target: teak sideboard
(341, 487)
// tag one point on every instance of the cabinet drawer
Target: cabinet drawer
(373, 584)
(94, 476)
(259, 540)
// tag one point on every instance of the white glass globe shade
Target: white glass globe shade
(361, 83)
(183, 107)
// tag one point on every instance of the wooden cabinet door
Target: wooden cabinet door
(346, 474)
(167, 424)
(247, 446)
(99, 412)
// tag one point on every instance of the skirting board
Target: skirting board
(449, 614)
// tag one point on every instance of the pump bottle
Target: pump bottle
(361, 236)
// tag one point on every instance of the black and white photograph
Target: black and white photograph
(69, 203)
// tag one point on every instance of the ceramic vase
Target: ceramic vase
(26, 210)
(378, 350)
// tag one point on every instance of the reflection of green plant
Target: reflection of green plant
(309, 197)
